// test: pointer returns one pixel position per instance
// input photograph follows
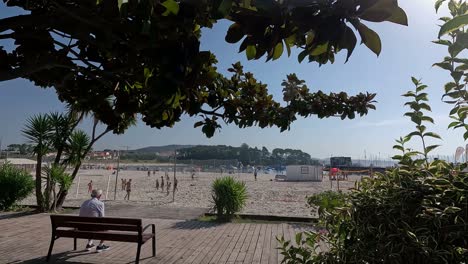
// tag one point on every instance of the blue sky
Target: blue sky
(407, 51)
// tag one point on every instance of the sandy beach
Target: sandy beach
(265, 196)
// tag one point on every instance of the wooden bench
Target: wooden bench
(101, 228)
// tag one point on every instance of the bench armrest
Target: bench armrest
(153, 229)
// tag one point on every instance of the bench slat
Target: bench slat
(99, 226)
(58, 219)
(122, 237)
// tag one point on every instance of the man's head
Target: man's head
(96, 194)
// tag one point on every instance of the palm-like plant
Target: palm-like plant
(57, 175)
(38, 131)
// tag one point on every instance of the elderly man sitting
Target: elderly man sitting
(94, 208)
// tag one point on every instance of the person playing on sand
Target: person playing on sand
(168, 187)
(175, 185)
(124, 184)
(129, 189)
(94, 208)
(157, 184)
(90, 186)
(162, 183)
(149, 173)
(193, 174)
(255, 173)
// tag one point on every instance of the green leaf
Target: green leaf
(234, 33)
(320, 49)
(443, 65)
(449, 86)
(438, 3)
(421, 88)
(465, 135)
(456, 76)
(443, 42)
(370, 38)
(427, 118)
(431, 148)
(165, 116)
(302, 55)
(225, 7)
(415, 81)
(398, 17)
(298, 238)
(171, 7)
(453, 24)
(412, 134)
(310, 37)
(251, 51)
(398, 147)
(385, 10)
(455, 123)
(348, 41)
(431, 134)
(278, 51)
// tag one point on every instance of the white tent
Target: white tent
(304, 173)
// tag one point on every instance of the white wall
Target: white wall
(304, 173)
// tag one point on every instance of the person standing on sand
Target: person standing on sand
(129, 189)
(162, 183)
(124, 184)
(175, 185)
(168, 187)
(255, 173)
(157, 184)
(149, 173)
(90, 186)
(94, 208)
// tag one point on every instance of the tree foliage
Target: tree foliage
(119, 58)
(454, 35)
(247, 155)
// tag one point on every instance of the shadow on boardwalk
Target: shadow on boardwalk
(194, 225)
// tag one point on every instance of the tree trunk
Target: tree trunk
(63, 193)
(39, 197)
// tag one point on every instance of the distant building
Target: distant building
(103, 155)
(25, 164)
(337, 162)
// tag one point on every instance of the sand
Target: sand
(265, 196)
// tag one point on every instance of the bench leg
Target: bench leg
(154, 246)
(74, 243)
(138, 254)
(52, 240)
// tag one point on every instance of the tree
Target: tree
(38, 131)
(118, 59)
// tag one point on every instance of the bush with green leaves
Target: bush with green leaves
(327, 200)
(15, 185)
(415, 213)
(228, 196)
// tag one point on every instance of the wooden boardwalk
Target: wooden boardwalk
(25, 239)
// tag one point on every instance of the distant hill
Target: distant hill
(161, 149)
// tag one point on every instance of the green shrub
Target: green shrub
(229, 196)
(15, 185)
(327, 200)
